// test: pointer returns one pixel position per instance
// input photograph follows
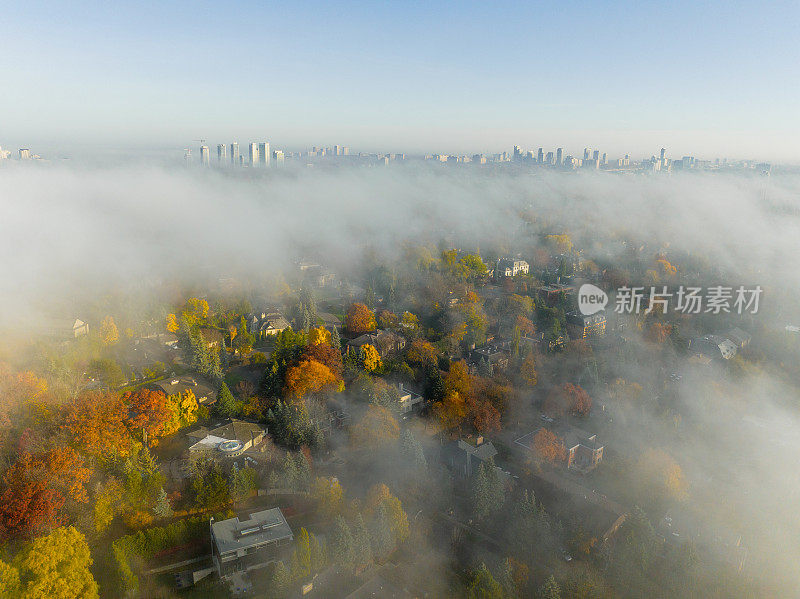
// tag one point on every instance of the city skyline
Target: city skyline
(468, 79)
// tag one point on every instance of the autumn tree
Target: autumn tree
(97, 423)
(527, 370)
(324, 354)
(308, 377)
(451, 411)
(458, 380)
(359, 319)
(369, 357)
(658, 468)
(421, 353)
(485, 417)
(329, 495)
(148, 412)
(568, 398)
(319, 335)
(172, 323)
(377, 427)
(109, 335)
(36, 487)
(549, 447)
(56, 566)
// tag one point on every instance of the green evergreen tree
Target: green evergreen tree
(302, 473)
(279, 581)
(226, 403)
(382, 537)
(336, 340)
(411, 451)
(342, 545)
(162, 509)
(549, 590)
(362, 548)
(484, 586)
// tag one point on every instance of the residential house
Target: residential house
(466, 455)
(266, 323)
(551, 293)
(510, 267)
(247, 542)
(229, 439)
(386, 342)
(409, 401)
(739, 337)
(581, 326)
(179, 385)
(714, 346)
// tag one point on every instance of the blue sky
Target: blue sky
(705, 78)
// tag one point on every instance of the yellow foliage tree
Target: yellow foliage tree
(377, 427)
(172, 323)
(370, 358)
(528, 370)
(657, 466)
(309, 376)
(329, 495)
(56, 566)
(319, 335)
(109, 334)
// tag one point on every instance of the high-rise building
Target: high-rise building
(24, 154)
(221, 153)
(345, 151)
(479, 158)
(235, 154)
(549, 158)
(264, 153)
(559, 156)
(517, 153)
(277, 156)
(253, 153)
(605, 158)
(337, 150)
(596, 155)
(540, 156)
(586, 153)
(205, 156)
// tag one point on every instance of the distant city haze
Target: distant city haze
(708, 80)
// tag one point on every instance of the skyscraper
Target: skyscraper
(559, 155)
(517, 153)
(586, 153)
(596, 155)
(253, 153)
(263, 152)
(235, 154)
(205, 156)
(221, 152)
(277, 156)
(540, 156)
(24, 154)
(549, 158)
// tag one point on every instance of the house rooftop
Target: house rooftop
(251, 530)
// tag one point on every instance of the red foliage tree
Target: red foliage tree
(324, 354)
(148, 411)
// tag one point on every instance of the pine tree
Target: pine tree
(162, 508)
(484, 586)
(318, 554)
(412, 451)
(289, 473)
(279, 581)
(336, 340)
(342, 545)
(226, 403)
(488, 493)
(362, 549)
(302, 473)
(549, 590)
(381, 537)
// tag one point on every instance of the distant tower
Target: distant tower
(24, 154)
(596, 155)
(277, 156)
(263, 152)
(517, 153)
(205, 156)
(540, 156)
(234, 153)
(605, 158)
(586, 153)
(559, 155)
(253, 153)
(222, 154)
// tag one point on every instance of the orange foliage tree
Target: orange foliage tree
(150, 412)
(568, 397)
(421, 353)
(308, 376)
(451, 411)
(97, 423)
(549, 447)
(359, 319)
(324, 354)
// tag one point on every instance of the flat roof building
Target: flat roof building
(248, 542)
